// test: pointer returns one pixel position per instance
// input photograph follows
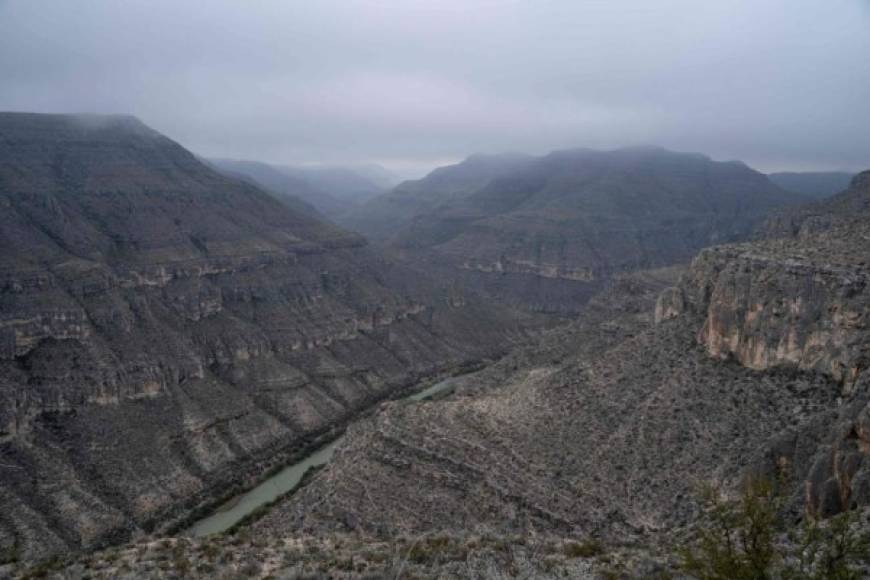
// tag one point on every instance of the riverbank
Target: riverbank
(289, 478)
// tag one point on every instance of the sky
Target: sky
(414, 84)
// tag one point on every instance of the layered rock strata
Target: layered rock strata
(166, 333)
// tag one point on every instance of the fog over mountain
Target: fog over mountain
(417, 84)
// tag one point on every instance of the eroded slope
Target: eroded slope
(167, 332)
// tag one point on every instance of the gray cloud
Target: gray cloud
(414, 83)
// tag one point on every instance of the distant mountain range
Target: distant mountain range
(330, 190)
(814, 184)
(385, 215)
(547, 231)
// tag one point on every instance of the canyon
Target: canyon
(638, 322)
(167, 333)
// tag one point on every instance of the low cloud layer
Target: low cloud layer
(781, 84)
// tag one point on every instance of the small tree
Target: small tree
(835, 551)
(744, 539)
(738, 540)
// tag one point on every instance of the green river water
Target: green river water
(286, 479)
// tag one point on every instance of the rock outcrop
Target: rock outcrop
(798, 301)
(801, 301)
(167, 332)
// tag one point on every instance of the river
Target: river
(287, 479)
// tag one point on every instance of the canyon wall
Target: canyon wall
(167, 333)
(798, 301)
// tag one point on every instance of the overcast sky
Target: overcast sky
(781, 84)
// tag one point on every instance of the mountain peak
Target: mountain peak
(861, 181)
(19, 124)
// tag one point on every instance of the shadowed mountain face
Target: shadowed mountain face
(813, 184)
(167, 332)
(546, 233)
(295, 192)
(354, 185)
(333, 192)
(384, 216)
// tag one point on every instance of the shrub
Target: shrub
(743, 539)
(588, 549)
(829, 552)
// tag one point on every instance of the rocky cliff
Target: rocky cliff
(799, 302)
(167, 332)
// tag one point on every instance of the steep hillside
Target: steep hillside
(605, 430)
(383, 216)
(352, 185)
(850, 205)
(754, 362)
(548, 235)
(813, 184)
(334, 192)
(295, 192)
(166, 332)
(800, 302)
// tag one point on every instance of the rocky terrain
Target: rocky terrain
(603, 431)
(547, 233)
(582, 455)
(753, 363)
(350, 556)
(168, 333)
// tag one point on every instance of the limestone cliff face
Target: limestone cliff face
(801, 301)
(798, 301)
(772, 309)
(166, 331)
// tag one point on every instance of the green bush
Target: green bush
(834, 551)
(746, 539)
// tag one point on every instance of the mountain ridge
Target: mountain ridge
(563, 223)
